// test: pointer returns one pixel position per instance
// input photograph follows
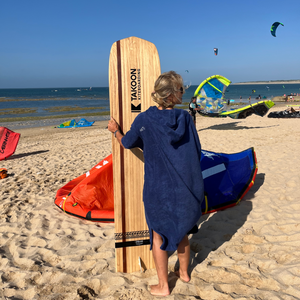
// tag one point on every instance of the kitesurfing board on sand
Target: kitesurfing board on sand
(133, 68)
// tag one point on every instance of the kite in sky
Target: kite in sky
(274, 27)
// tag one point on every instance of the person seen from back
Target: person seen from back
(173, 184)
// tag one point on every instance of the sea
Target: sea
(46, 102)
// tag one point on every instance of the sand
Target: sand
(250, 251)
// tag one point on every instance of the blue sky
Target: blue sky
(66, 43)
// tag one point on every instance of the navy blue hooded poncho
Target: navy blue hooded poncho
(173, 184)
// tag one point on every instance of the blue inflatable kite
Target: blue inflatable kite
(210, 96)
(227, 178)
(72, 124)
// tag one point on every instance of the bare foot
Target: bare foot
(156, 290)
(184, 278)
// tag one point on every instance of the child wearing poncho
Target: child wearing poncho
(173, 184)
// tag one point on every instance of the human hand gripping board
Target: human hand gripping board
(134, 67)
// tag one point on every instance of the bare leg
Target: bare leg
(161, 264)
(183, 252)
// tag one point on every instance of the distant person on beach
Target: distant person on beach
(193, 107)
(173, 184)
(249, 99)
(292, 110)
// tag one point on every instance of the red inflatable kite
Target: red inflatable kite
(90, 196)
(8, 142)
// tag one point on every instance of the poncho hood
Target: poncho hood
(170, 123)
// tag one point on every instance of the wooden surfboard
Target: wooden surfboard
(133, 69)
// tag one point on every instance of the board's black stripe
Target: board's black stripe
(132, 244)
(119, 66)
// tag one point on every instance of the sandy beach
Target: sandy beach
(250, 251)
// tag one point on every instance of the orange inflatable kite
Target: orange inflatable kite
(90, 196)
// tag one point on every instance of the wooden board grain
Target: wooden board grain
(133, 68)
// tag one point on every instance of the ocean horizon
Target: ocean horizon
(49, 102)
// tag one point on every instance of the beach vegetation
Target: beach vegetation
(237, 103)
(67, 116)
(17, 111)
(70, 108)
(184, 105)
